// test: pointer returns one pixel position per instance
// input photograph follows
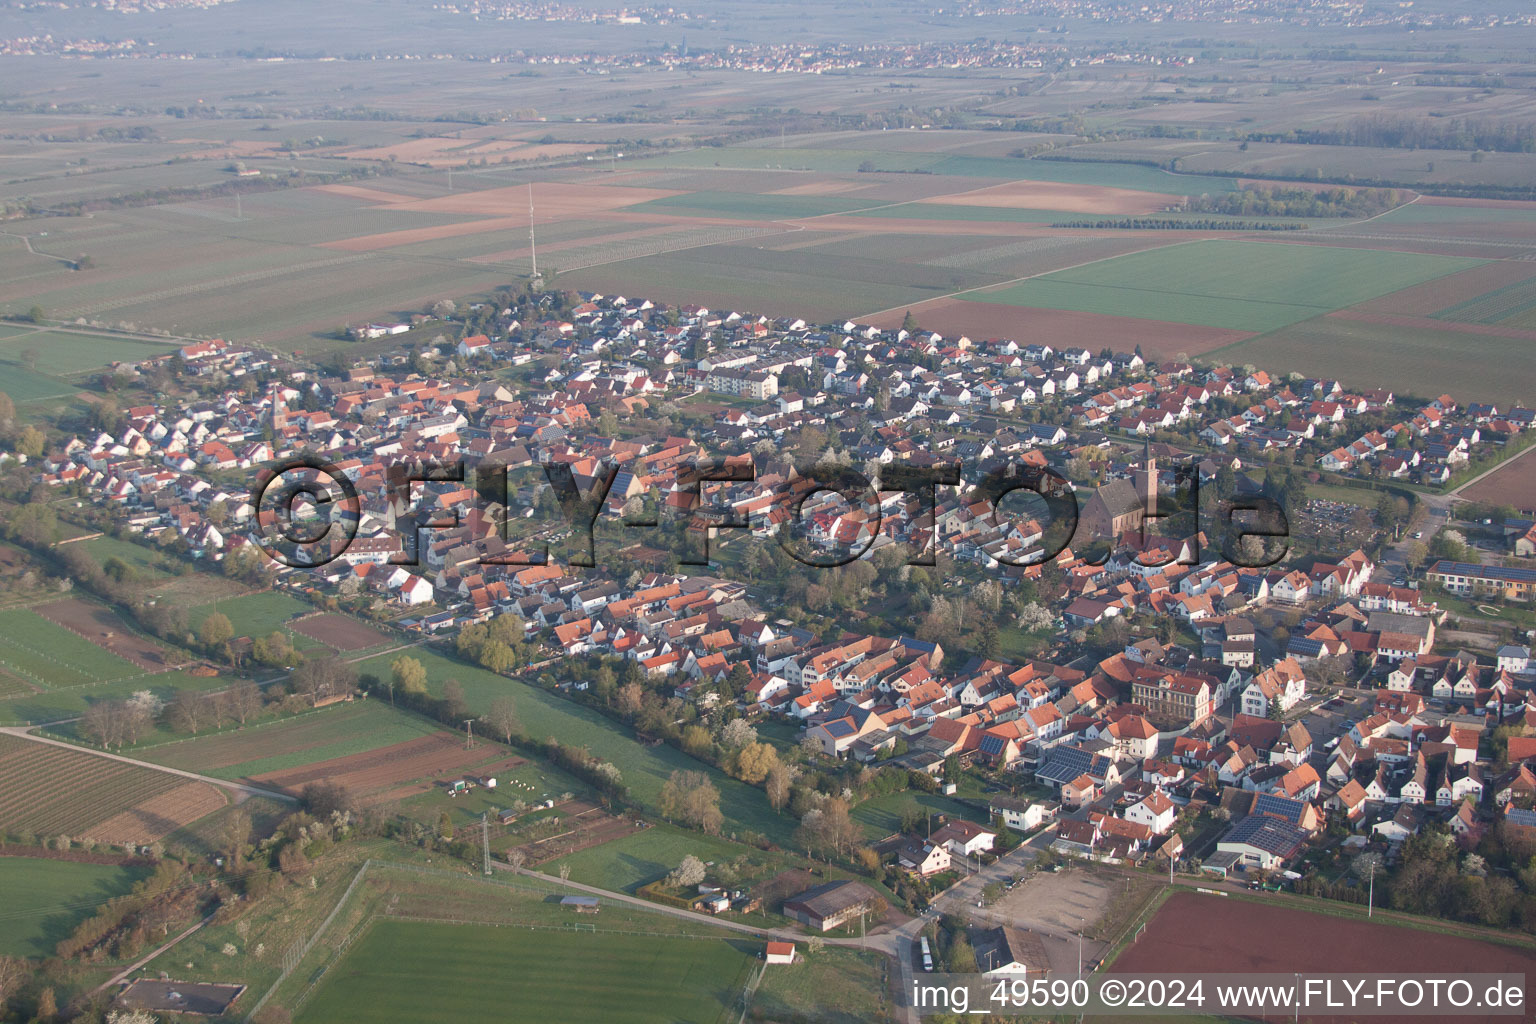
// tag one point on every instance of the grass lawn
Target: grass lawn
(63, 352)
(644, 768)
(44, 900)
(58, 705)
(836, 986)
(143, 559)
(881, 816)
(635, 860)
(1239, 285)
(256, 615)
(430, 972)
(49, 655)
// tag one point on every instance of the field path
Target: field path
(239, 788)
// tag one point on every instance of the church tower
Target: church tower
(279, 411)
(1148, 480)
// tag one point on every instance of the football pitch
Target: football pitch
(410, 971)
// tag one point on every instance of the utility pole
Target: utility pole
(1370, 905)
(485, 843)
(469, 733)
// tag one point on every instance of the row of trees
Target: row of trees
(1280, 201)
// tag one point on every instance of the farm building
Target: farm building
(830, 905)
(580, 904)
(780, 953)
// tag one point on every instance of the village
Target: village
(1157, 704)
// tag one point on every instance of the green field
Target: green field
(41, 901)
(835, 986)
(337, 731)
(256, 615)
(1246, 286)
(635, 860)
(51, 656)
(25, 385)
(1429, 213)
(402, 971)
(58, 705)
(1410, 360)
(63, 353)
(644, 768)
(882, 815)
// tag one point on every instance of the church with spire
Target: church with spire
(1122, 505)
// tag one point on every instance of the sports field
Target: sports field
(645, 856)
(46, 899)
(407, 971)
(1240, 285)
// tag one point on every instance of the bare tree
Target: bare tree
(244, 700)
(502, 717)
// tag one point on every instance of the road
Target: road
(241, 789)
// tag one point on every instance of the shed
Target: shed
(781, 953)
(580, 904)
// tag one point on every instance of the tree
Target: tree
(31, 442)
(737, 733)
(755, 761)
(47, 1005)
(689, 872)
(322, 678)
(408, 674)
(187, 710)
(455, 707)
(215, 631)
(502, 717)
(7, 413)
(689, 797)
(445, 825)
(909, 323)
(777, 785)
(1416, 554)
(244, 700)
(37, 314)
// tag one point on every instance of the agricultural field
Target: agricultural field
(39, 706)
(105, 800)
(45, 899)
(284, 745)
(340, 632)
(1236, 285)
(1407, 357)
(1243, 936)
(1513, 483)
(397, 771)
(105, 629)
(426, 972)
(1513, 305)
(48, 655)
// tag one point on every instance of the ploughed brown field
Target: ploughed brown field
(1431, 297)
(103, 628)
(339, 631)
(394, 772)
(1513, 483)
(1195, 933)
(1058, 327)
(1052, 195)
(160, 815)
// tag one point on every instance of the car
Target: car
(1400, 582)
(1417, 534)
